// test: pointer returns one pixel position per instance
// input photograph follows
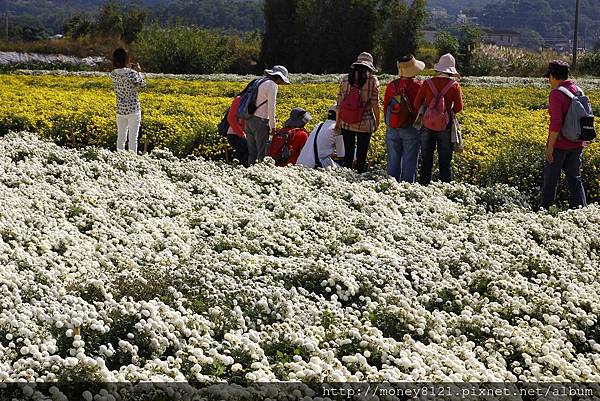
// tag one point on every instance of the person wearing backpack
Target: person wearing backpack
(403, 140)
(287, 143)
(442, 96)
(358, 110)
(259, 111)
(235, 131)
(562, 154)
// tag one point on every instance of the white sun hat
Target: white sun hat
(447, 65)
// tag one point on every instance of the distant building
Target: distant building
(561, 47)
(56, 37)
(463, 18)
(438, 12)
(501, 37)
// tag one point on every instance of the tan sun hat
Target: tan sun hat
(409, 67)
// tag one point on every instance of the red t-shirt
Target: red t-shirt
(393, 88)
(453, 98)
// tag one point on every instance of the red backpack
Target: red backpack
(400, 113)
(280, 149)
(436, 116)
(352, 107)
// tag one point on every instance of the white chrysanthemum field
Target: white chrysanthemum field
(124, 268)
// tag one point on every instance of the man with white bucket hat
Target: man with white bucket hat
(261, 124)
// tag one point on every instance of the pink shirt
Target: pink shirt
(558, 105)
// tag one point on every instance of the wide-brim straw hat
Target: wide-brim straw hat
(365, 59)
(410, 68)
(298, 118)
(280, 71)
(446, 65)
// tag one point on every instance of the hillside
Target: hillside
(455, 6)
(49, 16)
(552, 19)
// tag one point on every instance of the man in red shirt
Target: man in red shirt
(561, 153)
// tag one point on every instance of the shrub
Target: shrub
(590, 63)
(192, 50)
(446, 43)
(510, 61)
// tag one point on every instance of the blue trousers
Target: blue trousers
(403, 146)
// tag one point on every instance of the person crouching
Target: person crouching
(323, 145)
(287, 142)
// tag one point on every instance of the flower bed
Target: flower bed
(489, 81)
(505, 128)
(174, 270)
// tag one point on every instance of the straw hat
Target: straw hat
(447, 65)
(365, 59)
(280, 71)
(409, 68)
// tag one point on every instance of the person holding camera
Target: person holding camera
(127, 78)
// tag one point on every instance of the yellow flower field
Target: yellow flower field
(505, 128)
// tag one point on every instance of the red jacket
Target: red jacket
(236, 126)
(393, 89)
(296, 144)
(453, 98)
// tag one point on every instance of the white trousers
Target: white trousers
(128, 127)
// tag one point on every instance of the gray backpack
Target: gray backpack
(578, 124)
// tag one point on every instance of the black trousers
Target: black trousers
(240, 147)
(356, 142)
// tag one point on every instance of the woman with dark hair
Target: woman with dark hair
(358, 97)
(127, 79)
(236, 134)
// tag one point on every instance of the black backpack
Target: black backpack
(223, 125)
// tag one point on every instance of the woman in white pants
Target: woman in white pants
(127, 79)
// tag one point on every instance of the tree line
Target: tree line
(325, 36)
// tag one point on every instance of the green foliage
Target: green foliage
(78, 26)
(446, 43)
(469, 39)
(400, 27)
(550, 18)
(589, 63)
(531, 39)
(191, 50)
(113, 20)
(330, 43)
(237, 15)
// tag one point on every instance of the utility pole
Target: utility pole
(576, 34)
(6, 19)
